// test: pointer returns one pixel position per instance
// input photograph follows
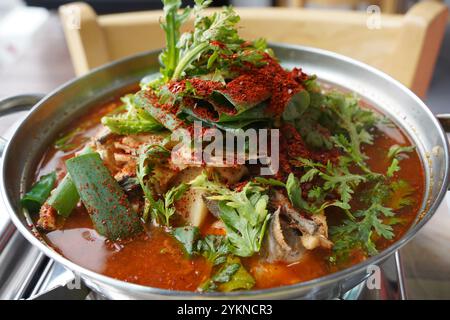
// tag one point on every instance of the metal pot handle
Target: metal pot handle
(10, 239)
(15, 104)
(444, 119)
(11, 105)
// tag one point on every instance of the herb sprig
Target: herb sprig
(336, 120)
(171, 25)
(161, 209)
(244, 213)
(359, 233)
(214, 248)
(213, 46)
(134, 120)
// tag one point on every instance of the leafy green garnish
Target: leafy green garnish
(226, 99)
(335, 178)
(401, 195)
(312, 123)
(231, 276)
(244, 213)
(298, 104)
(312, 132)
(187, 236)
(396, 153)
(383, 197)
(270, 182)
(336, 119)
(231, 123)
(393, 168)
(212, 51)
(294, 192)
(396, 150)
(214, 249)
(211, 48)
(167, 119)
(149, 157)
(393, 194)
(218, 27)
(355, 121)
(162, 209)
(39, 192)
(359, 233)
(66, 142)
(222, 276)
(134, 120)
(171, 25)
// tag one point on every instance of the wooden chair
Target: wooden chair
(387, 6)
(406, 46)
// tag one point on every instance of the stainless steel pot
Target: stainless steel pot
(57, 110)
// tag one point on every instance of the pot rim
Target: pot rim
(260, 293)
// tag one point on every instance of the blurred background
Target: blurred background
(34, 56)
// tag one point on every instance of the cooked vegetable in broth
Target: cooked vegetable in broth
(332, 182)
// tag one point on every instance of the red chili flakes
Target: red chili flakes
(253, 85)
(284, 87)
(298, 75)
(249, 88)
(291, 147)
(203, 88)
(201, 110)
(258, 83)
(238, 187)
(154, 100)
(216, 43)
(246, 44)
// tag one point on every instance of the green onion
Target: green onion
(39, 192)
(103, 198)
(167, 119)
(65, 197)
(225, 99)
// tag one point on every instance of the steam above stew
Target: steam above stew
(325, 183)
